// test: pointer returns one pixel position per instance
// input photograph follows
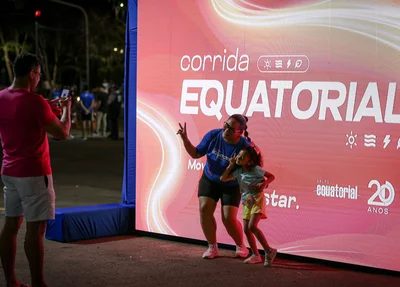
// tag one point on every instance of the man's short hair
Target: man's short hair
(25, 63)
(85, 87)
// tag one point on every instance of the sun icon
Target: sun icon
(351, 140)
(267, 64)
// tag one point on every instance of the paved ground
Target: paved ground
(86, 172)
(90, 172)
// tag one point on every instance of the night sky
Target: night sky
(12, 15)
(19, 22)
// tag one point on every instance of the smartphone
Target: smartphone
(65, 92)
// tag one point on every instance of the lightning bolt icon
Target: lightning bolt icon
(289, 63)
(386, 141)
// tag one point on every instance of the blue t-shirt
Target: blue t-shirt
(249, 178)
(87, 99)
(218, 152)
(56, 94)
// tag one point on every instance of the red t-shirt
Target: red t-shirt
(23, 116)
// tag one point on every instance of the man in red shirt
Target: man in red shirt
(25, 120)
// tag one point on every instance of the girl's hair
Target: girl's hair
(255, 155)
(243, 124)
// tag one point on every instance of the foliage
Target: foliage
(62, 46)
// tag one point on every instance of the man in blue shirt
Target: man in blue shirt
(87, 104)
(56, 92)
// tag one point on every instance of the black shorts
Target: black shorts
(86, 117)
(229, 195)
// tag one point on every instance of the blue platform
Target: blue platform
(88, 222)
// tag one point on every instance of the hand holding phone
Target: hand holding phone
(65, 102)
(55, 107)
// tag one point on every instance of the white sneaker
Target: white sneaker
(253, 259)
(211, 252)
(269, 257)
(242, 251)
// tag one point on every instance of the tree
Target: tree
(13, 45)
(52, 45)
(107, 41)
(62, 45)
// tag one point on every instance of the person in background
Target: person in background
(114, 109)
(106, 86)
(101, 115)
(56, 94)
(87, 104)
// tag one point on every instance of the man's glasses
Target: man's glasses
(231, 129)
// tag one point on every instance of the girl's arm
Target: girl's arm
(228, 173)
(268, 178)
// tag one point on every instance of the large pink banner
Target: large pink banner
(318, 81)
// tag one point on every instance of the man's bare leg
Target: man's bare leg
(34, 251)
(8, 249)
(85, 125)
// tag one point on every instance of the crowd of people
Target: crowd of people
(96, 112)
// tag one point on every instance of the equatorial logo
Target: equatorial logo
(325, 189)
(382, 198)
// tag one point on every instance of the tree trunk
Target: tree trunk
(6, 57)
(8, 64)
(24, 43)
(45, 62)
(55, 67)
(57, 52)
(16, 47)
